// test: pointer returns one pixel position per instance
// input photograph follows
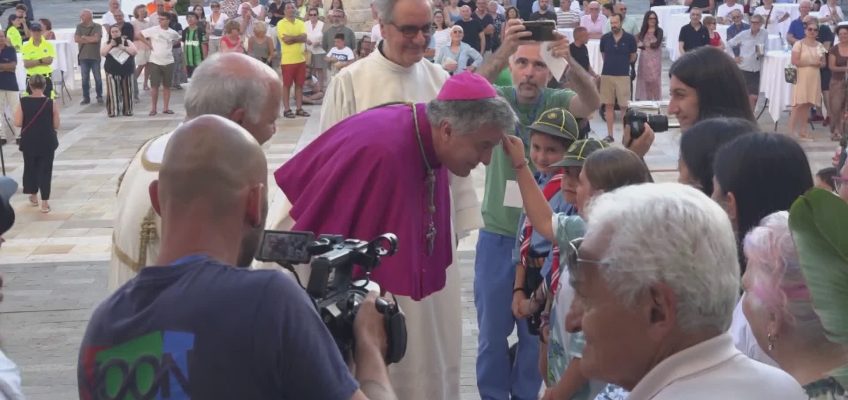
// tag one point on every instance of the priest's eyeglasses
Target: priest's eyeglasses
(411, 31)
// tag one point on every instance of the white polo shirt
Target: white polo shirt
(712, 370)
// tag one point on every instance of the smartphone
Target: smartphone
(287, 247)
(542, 31)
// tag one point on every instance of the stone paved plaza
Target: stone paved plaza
(55, 265)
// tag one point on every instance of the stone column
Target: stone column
(358, 13)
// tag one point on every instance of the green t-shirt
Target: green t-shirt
(498, 218)
(504, 79)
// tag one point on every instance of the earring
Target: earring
(771, 340)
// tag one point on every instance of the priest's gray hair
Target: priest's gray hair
(226, 82)
(671, 234)
(469, 116)
(386, 9)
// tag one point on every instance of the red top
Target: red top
(715, 40)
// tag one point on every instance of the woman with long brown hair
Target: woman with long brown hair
(649, 76)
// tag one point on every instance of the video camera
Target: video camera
(636, 121)
(331, 287)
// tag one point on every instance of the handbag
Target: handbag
(790, 74)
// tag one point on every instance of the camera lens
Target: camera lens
(658, 122)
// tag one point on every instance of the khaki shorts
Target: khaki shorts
(161, 75)
(615, 88)
(142, 57)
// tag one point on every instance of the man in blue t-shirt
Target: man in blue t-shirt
(8, 88)
(619, 50)
(195, 326)
(796, 27)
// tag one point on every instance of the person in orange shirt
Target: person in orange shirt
(153, 6)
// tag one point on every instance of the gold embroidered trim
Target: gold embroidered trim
(147, 164)
(147, 235)
(142, 150)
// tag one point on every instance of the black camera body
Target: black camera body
(336, 295)
(636, 121)
(541, 30)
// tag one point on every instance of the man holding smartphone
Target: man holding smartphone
(529, 96)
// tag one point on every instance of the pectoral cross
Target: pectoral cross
(431, 209)
(431, 238)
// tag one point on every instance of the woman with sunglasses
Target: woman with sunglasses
(808, 56)
(314, 38)
(456, 56)
(715, 38)
(217, 21)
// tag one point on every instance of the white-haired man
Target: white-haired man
(796, 27)
(659, 262)
(232, 83)
(594, 21)
(724, 10)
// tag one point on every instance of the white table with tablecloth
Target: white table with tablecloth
(664, 12)
(63, 62)
(794, 13)
(773, 85)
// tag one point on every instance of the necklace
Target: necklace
(430, 180)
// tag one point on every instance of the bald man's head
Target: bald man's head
(210, 159)
(214, 173)
(238, 87)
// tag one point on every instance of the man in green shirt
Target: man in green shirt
(494, 271)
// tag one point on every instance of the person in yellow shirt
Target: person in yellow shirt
(292, 34)
(13, 34)
(38, 56)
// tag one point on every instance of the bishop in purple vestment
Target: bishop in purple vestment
(372, 172)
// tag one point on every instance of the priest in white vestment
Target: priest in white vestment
(136, 232)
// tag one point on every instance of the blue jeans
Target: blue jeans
(494, 275)
(92, 66)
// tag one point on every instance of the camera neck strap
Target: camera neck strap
(430, 180)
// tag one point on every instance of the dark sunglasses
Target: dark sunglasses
(411, 31)
(313, 15)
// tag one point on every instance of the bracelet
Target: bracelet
(520, 166)
(516, 290)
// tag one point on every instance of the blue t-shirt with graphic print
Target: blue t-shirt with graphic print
(204, 330)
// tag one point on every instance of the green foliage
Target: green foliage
(819, 224)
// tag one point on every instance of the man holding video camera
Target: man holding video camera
(195, 325)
